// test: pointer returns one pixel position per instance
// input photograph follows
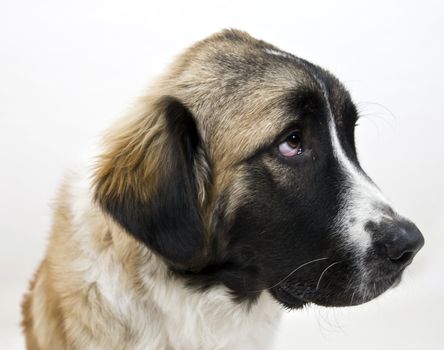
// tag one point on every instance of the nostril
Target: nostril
(404, 259)
(402, 243)
(398, 243)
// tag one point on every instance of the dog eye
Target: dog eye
(291, 146)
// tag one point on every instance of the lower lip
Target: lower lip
(294, 301)
(289, 298)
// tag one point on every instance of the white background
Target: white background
(69, 68)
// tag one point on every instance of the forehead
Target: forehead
(260, 110)
(245, 92)
(256, 122)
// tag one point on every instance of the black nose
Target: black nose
(401, 241)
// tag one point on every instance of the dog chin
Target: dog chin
(287, 298)
(376, 287)
(362, 294)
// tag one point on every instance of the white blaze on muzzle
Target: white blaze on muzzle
(361, 200)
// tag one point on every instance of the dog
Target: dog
(230, 192)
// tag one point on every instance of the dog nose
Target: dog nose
(401, 242)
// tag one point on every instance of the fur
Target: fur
(191, 230)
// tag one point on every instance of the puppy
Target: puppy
(233, 189)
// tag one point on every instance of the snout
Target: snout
(399, 242)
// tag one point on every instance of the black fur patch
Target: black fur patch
(284, 237)
(170, 222)
(289, 223)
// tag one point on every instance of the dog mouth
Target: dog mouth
(291, 296)
(288, 298)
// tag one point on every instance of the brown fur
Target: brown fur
(127, 162)
(64, 310)
(217, 82)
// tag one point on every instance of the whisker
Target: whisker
(388, 110)
(352, 298)
(291, 273)
(323, 272)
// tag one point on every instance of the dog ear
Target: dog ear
(152, 180)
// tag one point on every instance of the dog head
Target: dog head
(240, 169)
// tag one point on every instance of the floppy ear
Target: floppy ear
(152, 177)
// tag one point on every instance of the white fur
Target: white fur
(362, 201)
(279, 53)
(170, 315)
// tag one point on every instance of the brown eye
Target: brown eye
(294, 140)
(291, 146)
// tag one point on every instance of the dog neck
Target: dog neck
(139, 291)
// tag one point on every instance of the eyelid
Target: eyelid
(288, 128)
(287, 133)
(272, 144)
